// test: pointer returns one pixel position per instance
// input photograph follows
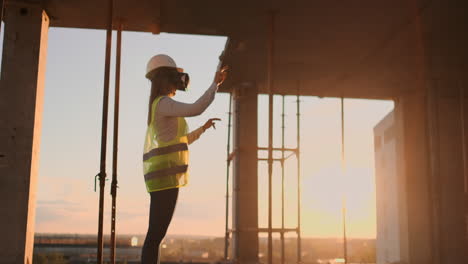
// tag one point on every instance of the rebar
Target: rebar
(116, 141)
(105, 104)
(228, 165)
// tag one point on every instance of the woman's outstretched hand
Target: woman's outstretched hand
(221, 75)
(211, 123)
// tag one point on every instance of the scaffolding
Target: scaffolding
(286, 153)
(270, 160)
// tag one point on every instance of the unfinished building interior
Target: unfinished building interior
(410, 51)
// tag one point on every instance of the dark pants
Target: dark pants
(161, 210)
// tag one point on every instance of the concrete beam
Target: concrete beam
(245, 194)
(21, 101)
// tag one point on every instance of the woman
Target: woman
(165, 158)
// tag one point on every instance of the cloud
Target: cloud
(45, 214)
(55, 213)
(60, 205)
(55, 202)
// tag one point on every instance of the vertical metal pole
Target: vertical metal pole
(102, 173)
(343, 169)
(116, 140)
(228, 163)
(282, 184)
(298, 156)
(270, 131)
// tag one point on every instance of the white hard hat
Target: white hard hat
(160, 60)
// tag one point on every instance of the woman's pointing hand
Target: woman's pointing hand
(211, 123)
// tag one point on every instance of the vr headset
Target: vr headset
(181, 80)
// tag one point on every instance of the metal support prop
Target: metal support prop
(116, 140)
(228, 165)
(271, 33)
(298, 157)
(343, 169)
(105, 104)
(282, 183)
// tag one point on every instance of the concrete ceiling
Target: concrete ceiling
(361, 49)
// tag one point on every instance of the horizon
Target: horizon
(201, 236)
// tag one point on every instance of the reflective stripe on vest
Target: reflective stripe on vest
(165, 150)
(166, 172)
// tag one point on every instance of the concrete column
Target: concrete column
(245, 194)
(443, 31)
(413, 170)
(21, 99)
(429, 119)
(432, 196)
(448, 190)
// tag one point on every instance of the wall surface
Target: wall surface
(387, 189)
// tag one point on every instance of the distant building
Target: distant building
(387, 189)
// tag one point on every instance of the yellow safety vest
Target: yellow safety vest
(165, 164)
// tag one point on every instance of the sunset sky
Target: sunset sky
(71, 130)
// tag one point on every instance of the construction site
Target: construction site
(412, 53)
